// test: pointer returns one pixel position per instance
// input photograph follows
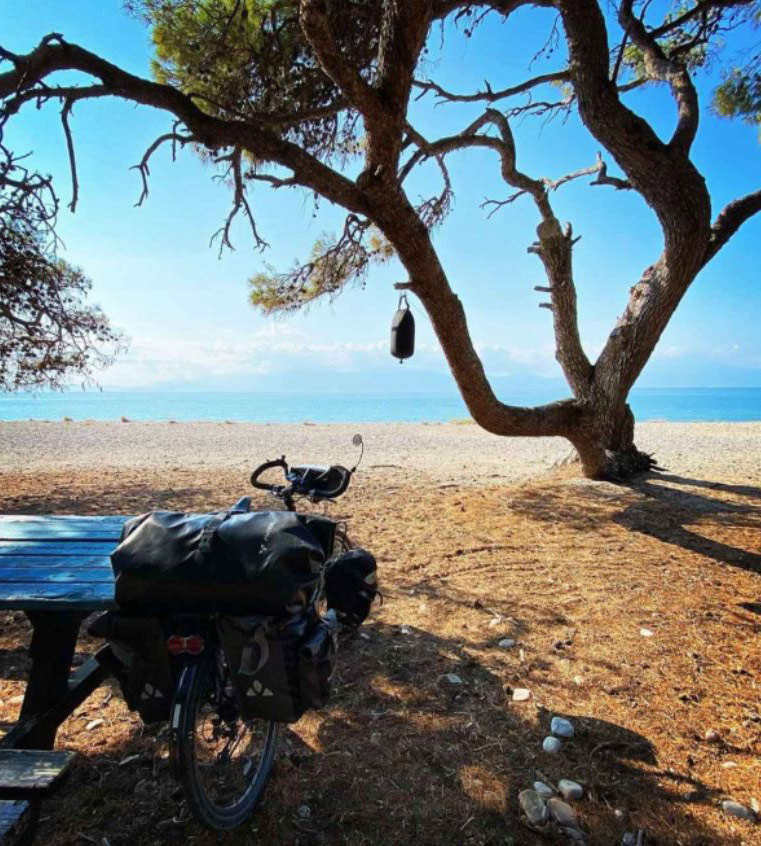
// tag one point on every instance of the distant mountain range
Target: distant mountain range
(406, 379)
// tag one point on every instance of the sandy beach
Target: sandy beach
(634, 611)
(444, 452)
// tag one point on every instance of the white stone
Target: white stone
(544, 790)
(570, 790)
(507, 643)
(551, 745)
(562, 813)
(646, 632)
(738, 810)
(561, 727)
(304, 812)
(452, 678)
(533, 807)
(521, 694)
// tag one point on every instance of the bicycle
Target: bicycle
(223, 760)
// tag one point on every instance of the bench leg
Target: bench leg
(52, 650)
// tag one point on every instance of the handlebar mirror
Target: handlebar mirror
(357, 440)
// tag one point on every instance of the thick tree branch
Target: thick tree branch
(53, 54)
(730, 219)
(315, 23)
(672, 71)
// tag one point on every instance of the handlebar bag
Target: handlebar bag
(279, 670)
(351, 585)
(238, 563)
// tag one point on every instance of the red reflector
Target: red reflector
(190, 645)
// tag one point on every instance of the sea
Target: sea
(673, 404)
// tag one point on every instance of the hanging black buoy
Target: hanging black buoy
(403, 331)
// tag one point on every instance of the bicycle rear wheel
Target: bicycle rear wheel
(224, 761)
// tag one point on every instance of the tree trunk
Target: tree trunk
(605, 444)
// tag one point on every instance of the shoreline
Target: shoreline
(454, 452)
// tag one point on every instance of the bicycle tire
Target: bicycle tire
(204, 807)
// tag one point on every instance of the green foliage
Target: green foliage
(700, 42)
(334, 263)
(739, 95)
(244, 58)
(48, 333)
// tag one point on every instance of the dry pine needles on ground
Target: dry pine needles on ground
(576, 573)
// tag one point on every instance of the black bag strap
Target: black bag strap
(207, 535)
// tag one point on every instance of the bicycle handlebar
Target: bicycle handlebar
(262, 468)
(304, 480)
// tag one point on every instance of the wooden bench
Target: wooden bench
(17, 822)
(57, 570)
(26, 774)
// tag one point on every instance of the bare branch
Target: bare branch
(696, 11)
(72, 156)
(143, 165)
(240, 203)
(489, 96)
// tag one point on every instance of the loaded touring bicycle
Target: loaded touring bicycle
(226, 627)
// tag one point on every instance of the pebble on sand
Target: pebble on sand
(561, 727)
(507, 643)
(544, 790)
(551, 745)
(646, 632)
(521, 694)
(562, 813)
(452, 678)
(533, 806)
(570, 790)
(738, 810)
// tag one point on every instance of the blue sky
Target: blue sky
(186, 309)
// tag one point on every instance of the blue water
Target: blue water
(685, 404)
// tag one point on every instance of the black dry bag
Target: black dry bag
(351, 585)
(403, 331)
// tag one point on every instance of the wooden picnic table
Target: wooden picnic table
(58, 571)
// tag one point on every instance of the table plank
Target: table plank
(64, 562)
(13, 575)
(33, 770)
(89, 519)
(68, 596)
(60, 528)
(69, 549)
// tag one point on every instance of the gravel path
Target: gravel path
(446, 452)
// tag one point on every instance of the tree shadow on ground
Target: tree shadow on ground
(401, 755)
(666, 511)
(658, 509)
(750, 491)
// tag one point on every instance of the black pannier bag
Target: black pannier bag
(267, 562)
(141, 664)
(279, 670)
(351, 585)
